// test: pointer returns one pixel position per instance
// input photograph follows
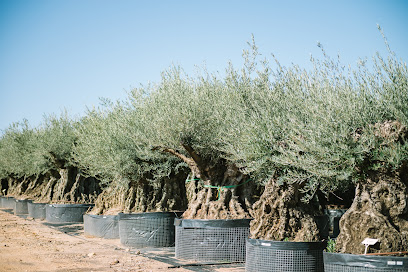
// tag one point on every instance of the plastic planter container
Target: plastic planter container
(1, 202)
(211, 240)
(323, 223)
(105, 226)
(7, 202)
(36, 210)
(278, 256)
(21, 207)
(334, 217)
(66, 213)
(338, 262)
(153, 229)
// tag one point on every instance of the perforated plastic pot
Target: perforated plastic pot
(334, 217)
(21, 207)
(211, 240)
(105, 226)
(338, 262)
(1, 202)
(323, 223)
(66, 213)
(7, 202)
(36, 210)
(278, 256)
(154, 229)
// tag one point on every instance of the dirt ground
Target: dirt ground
(34, 245)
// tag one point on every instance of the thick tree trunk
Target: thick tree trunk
(75, 187)
(279, 214)
(66, 185)
(380, 206)
(221, 191)
(167, 194)
(379, 211)
(45, 190)
(229, 197)
(16, 186)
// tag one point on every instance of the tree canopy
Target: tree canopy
(316, 127)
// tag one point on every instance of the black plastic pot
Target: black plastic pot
(105, 226)
(152, 229)
(21, 207)
(211, 240)
(279, 256)
(66, 213)
(7, 202)
(338, 262)
(323, 223)
(334, 217)
(36, 210)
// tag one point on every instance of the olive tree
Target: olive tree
(322, 130)
(191, 119)
(38, 162)
(111, 146)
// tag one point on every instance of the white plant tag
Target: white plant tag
(368, 242)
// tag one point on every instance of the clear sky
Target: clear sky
(57, 55)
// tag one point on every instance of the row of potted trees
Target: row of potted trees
(270, 144)
(209, 240)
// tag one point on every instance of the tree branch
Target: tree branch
(173, 152)
(195, 163)
(194, 155)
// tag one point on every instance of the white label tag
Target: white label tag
(369, 241)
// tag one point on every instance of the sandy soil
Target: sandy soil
(33, 245)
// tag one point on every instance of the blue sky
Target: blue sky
(57, 55)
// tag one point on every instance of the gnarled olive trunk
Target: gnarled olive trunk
(73, 186)
(17, 186)
(228, 197)
(65, 185)
(380, 206)
(221, 190)
(279, 214)
(379, 211)
(166, 194)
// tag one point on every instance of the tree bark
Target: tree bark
(67, 185)
(380, 205)
(379, 211)
(279, 214)
(167, 194)
(221, 191)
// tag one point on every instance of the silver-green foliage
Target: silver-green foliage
(16, 150)
(315, 128)
(26, 151)
(185, 111)
(125, 140)
(111, 146)
(310, 127)
(57, 135)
